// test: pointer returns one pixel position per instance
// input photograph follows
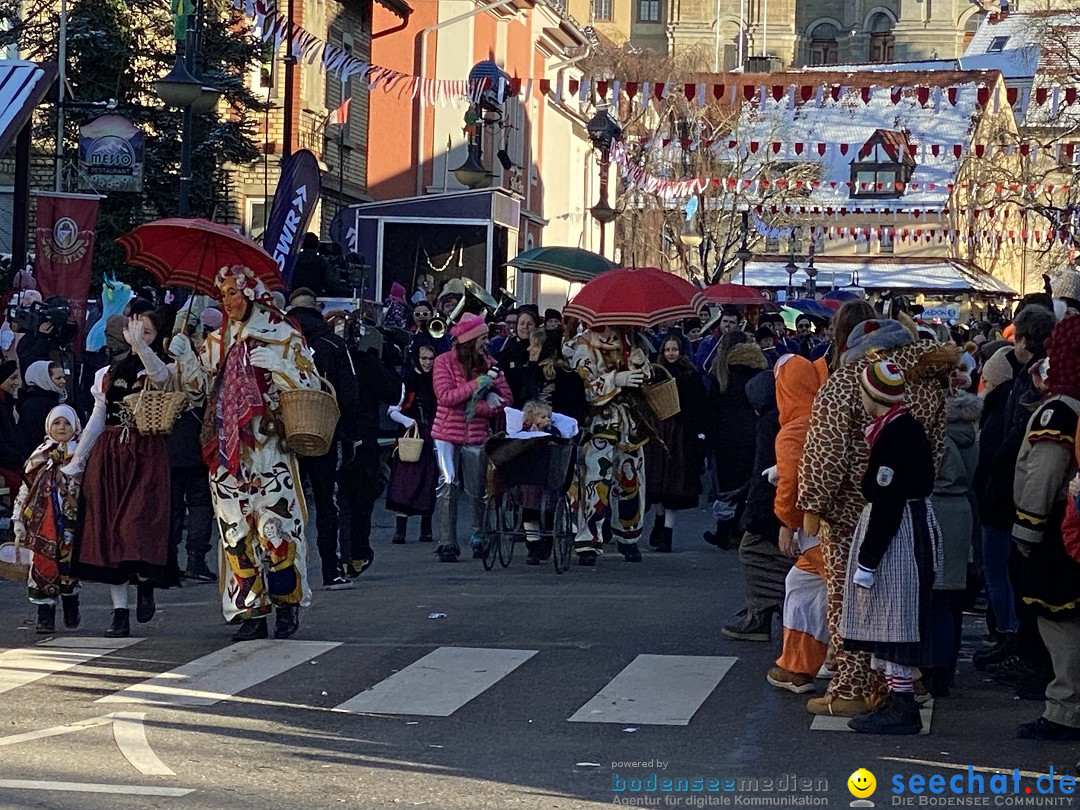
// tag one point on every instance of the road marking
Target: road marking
(25, 665)
(128, 734)
(440, 683)
(659, 690)
(221, 674)
(825, 723)
(89, 787)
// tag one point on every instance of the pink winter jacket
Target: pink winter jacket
(452, 393)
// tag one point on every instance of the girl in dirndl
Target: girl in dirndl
(895, 554)
(44, 517)
(411, 489)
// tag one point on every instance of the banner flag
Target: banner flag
(294, 203)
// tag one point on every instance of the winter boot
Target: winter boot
(121, 624)
(897, 714)
(72, 616)
(666, 536)
(145, 605)
(399, 530)
(532, 556)
(251, 629)
(657, 533)
(587, 558)
(287, 621)
(990, 656)
(631, 553)
(46, 619)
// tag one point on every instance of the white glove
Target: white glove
(135, 333)
(73, 468)
(266, 358)
(180, 346)
(863, 577)
(629, 379)
(19, 528)
(494, 401)
(397, 416)
(771, 475)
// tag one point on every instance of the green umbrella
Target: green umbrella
(567, 263)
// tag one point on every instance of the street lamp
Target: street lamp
(180, 88)
(811, 273)
(743, 254)
(603, 132)
(472, 173)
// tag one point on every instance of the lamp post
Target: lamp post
(603, 132)
(791, 268)
(743, 254)
(691, 237)
(811, 273)
(179, 88)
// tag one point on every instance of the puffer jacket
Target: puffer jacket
(954, 499)
(453, 390)
(797, 382)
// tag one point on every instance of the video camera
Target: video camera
(389, 343)
(30, 319)
(351, 271)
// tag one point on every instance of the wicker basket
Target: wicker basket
(15, 562)
(410, 446)
(663, 396)
(309, 417)
(156, 412)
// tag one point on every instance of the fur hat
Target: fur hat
(552, 315)
(470, 327)
(875, 334)
(454, 286)
(1066, 287)
(883, 382)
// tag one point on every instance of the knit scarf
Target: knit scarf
(239, 401)
(873, 430)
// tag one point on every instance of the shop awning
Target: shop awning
(936, 276)
(22, 87)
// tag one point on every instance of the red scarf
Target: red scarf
(873, 430)
(240, 400)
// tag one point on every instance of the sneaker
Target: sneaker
(825, 674)
(1043, 729)
(476, 543)
(991, 656)
(357, 567)
(832, 706)
(447, 554)
(337, 583)
(251, 629)
(792, 681)
(750, 629)
(897, 714)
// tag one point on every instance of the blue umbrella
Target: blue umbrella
(809, 306)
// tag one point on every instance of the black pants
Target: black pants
(190, 505)
(321, 473)
(361, 484)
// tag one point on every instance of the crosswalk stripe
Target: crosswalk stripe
(824, 723)
(660, 690)
(221, 674)
(440, 683)
(28, 664)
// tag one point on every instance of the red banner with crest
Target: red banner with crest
(64, 248)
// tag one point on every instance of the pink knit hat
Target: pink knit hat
(470, 327)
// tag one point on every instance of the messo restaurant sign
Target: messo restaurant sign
(111, 155)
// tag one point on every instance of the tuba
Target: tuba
(437, 328)
(476, 300)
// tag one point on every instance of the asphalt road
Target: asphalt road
(279, 741)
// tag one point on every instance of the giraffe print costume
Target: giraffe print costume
(834, 461)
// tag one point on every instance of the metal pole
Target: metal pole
(604, 158)
(290, 81)
(20, 212)
(61, 80)
(341, 165)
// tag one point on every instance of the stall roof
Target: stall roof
(938, 275)
(22, 87)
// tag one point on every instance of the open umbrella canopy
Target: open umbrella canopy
(819, 309)
(567, 263)
(189, 252)
(734, 295)
(642, 296)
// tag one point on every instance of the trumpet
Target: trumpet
(436, 328)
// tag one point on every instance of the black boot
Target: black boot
(657, 533)
(630, 552)
(543, 547)
(664, 546)
(990, 656)
(287, 621)
(145, 605)
(121, 624)
(532, 556)
(72, 616)
(425, 529)
(251, 629)
(897, 714)
(46, 619)
(399, 531)
(586, 558)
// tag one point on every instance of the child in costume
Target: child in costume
(895, 554)
(44, 518)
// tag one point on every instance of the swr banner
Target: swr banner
(64, 244)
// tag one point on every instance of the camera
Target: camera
(389, 343)
(30, 319)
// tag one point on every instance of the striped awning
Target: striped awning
(22, 87)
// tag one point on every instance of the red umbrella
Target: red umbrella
(189, 252)
(635, 297)
(734, 295)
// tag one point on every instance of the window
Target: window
(601, 10)
(997, 44)
(881, 38)
(823, 45)
(648, 11)
(772, 244)
(255, 217)
(972, 26)
(886, 241)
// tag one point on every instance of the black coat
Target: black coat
(378, 387)
(758, 515)
(732, 433)
(33, 406)
(11, 454)
(900, 469)
(521, 375)
(673, 464)
(334, 363)
(313, 271)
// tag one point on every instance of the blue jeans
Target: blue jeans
(996, 550)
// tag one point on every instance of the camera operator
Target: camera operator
(312, 270)
(50, 341)
(333, 362)
(362, 478)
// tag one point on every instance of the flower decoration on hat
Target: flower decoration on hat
(246, 281)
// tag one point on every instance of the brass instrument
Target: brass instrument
(436, 328)
(507, 302)
(476, 300)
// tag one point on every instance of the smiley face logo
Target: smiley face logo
(862, 783)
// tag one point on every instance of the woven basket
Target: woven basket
(309, 417)
(410, 446)
(156, 412)
(663, 396)
(15, 562)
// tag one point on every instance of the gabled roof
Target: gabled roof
(22, 87)
(896, 145)
(1013, 43)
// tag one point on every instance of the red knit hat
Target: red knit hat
(1063, 349)
(883, 382)
(470, 327)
